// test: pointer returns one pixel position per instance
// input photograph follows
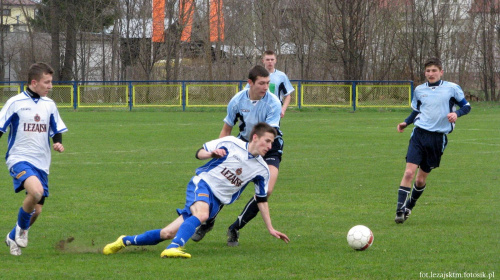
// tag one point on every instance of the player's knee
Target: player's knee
(203, 217)
(420, 182)
(36, 195)
(409, 174)
(167, 233)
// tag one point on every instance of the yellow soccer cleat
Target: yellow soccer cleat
(114, 247)
(175, 253)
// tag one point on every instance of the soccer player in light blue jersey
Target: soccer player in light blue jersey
(279, 83)
(434, 115)
(32, 119)
(248, 107)
(234, 164)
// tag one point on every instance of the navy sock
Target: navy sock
(186, 230)
(249, 212)
(403, 193)
(415, 194)
(151, 237)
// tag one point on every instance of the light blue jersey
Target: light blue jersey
(279, 84)
(434, 103)
(250, 112)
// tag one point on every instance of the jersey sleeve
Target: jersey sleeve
(232, 110)
(213, 145)
(8, 110)
(459, 93)
(274, 115)
(288, 86)
(56, 123)
(261, 186)
(414, 101)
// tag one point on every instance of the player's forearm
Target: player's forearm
(266, 216)
(286, 101)
(57, 138)
(226, 130)
(203, 154)
(464, 110)
(409, 120)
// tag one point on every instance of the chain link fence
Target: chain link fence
(185, 94)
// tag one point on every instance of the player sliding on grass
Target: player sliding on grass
(234, 164)
(32, 119)
(434, 116)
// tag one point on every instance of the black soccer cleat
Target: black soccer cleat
(232, 237)
(402, 216)
(201, 231)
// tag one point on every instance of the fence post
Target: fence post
(183, 96)
(75, 95)
(354, 95)
(299, 94)
(130, 101)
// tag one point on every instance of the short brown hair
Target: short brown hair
(37, 71)
(261, 128)
(257, 71)
(268, 52)
(433, 61)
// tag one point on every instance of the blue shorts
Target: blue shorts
(22, 170)
(426, 148)
(198, 190)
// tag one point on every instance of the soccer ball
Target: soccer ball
(360, 237)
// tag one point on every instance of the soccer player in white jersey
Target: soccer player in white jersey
(248, 107)
(32, 118)
(434, 115)
(234, 164)
(279, 83)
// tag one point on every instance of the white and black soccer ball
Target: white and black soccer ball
(360, 237)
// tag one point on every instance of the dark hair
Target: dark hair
(433, 61)
(261, 128)
(37, 71)
(268, 52)
(257, 71)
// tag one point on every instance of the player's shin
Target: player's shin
(186, 230)
(151, 237)
(403, 193)
(415, 194)
(249, 212)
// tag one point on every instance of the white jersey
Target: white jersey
(32, 121)
(228, 176)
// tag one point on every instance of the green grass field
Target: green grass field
(125, 172)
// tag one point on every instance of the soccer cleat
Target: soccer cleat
(402, 216)
(14, 248)
(232, 237)
(114, 247)
(201, 231)
(407, 213)
(21, 237)
(175, 253)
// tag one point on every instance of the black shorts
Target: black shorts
(273, 156)
(426, 148)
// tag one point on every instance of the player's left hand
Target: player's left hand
(280, 235)
(218, 153)
(58, 147)
(452, 117)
